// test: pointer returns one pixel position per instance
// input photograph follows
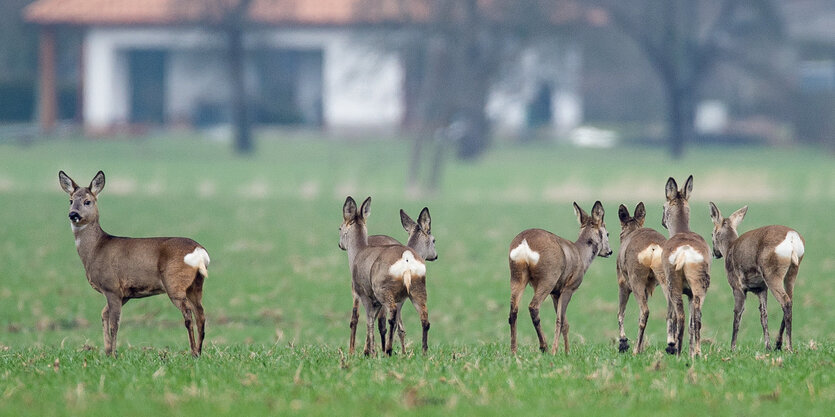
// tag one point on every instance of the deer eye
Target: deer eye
(87, 202)
(70, 202)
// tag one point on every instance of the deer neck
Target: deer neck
(726, 243)
(358, 242)
(679, 223)
(87, 238)
(586, 250)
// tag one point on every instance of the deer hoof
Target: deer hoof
(624, 345)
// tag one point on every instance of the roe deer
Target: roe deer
(639, 269)
(555, 266)
(686, 265)
(761, 259)
(421, 240)
(122, 268)
(381, 276)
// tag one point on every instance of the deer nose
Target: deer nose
(74, 216)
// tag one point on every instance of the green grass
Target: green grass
(278, 295)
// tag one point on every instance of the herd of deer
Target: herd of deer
(385, 273)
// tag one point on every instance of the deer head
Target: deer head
(83, 208)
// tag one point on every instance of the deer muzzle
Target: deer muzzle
(75, 217)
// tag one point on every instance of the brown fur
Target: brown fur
(423, 242)
(371, 281)
(558, 272)
(753, 265)
(123, 268)
(683, 277)
(639, 269)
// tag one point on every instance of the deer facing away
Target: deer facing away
(123, 268)
(423, 242)
(686, 264)
(381, 276)
(759, 260)
(553, 265)
(639, 269)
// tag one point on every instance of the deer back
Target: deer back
(775, 245)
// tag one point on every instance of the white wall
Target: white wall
(362, 87)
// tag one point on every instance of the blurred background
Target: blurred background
(467, 73)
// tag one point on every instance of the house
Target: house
(314, 63)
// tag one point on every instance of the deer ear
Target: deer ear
(365, 209)
(688, 188)
(597, 213)
(425, 220)
(737, 216)
(581, 214)
(67, 184)
(715, 214)
(671, 189)
(97, 184)
(349, 209)
(407, 222)
(623, 215)
(640, 213)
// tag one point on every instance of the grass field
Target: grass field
(278, 296)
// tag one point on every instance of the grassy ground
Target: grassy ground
(278, 295)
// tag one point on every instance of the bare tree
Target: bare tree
(232, 18)
(684, 40)
(453, 53)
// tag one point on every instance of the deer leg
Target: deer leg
(565, 297)
(418, 296)
(697, 324)
(401, 330)
(739, 308)
(105, 326)
(353, 324)
(763, 296)
(692, 325)
(114, 308)
(786, 324)
(775, 278)
(674, 294)
(538, 297)
(181, 303)
(371, 311)
(641, 297)
(623, 298)
(558, 323)
(391, 308)
(381, 327)
(195, 298)
(518, 282)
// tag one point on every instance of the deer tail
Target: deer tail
(199, 259)
(406, 268)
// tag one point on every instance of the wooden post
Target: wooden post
(48, 101)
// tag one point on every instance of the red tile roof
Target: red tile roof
(298, 12)
(127, 12)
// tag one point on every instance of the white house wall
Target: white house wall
(361, 86)
(362, 82)
(545, 62)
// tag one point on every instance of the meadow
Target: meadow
(278, 294)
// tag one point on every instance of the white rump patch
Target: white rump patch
(406, 267)
(648, 255)
(199, 259)
(524, 253)
(685, 255)
(791, 247)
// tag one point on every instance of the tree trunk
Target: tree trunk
(240, 115)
